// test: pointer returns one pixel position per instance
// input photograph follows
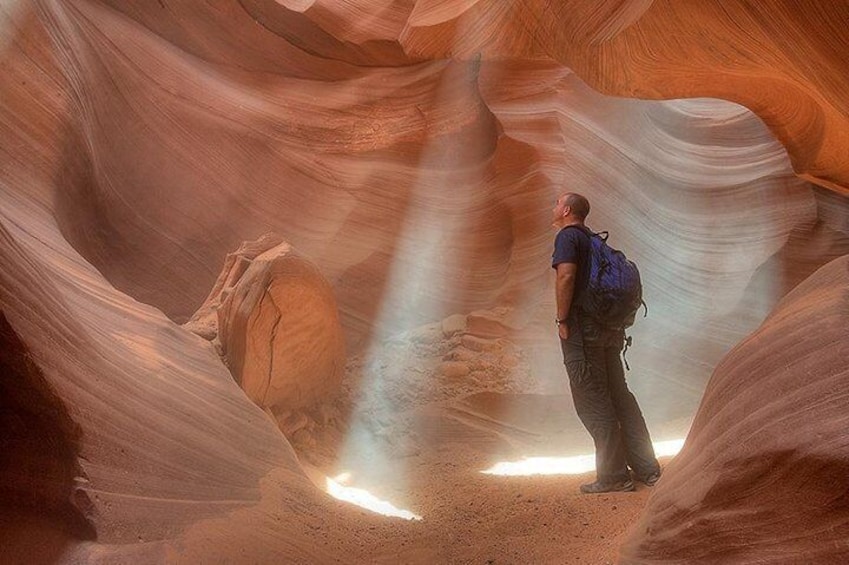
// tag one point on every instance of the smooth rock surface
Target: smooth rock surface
(412, 151)
(762, 476)
(278, 326)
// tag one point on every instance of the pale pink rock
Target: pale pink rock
(460, 354)
(453, 324)
(766, 460)
(486, 324)
(478, 343)
(278, 326)
(142, 141)
(430, 333)
(454, 369)
(510, 361)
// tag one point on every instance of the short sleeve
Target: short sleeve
(565, 248)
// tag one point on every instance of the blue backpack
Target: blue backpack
(614, 293)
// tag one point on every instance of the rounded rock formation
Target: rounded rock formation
(278, 326)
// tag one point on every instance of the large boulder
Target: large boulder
(277, 326)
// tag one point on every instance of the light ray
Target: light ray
(420, 283)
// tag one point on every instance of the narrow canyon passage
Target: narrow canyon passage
(429, 443)
(362, 191)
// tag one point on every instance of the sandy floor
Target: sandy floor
(415, 429)
(470, 518)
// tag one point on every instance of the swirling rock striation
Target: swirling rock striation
(144, 141)
(784, 60)
(758, 481)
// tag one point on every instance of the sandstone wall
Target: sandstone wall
(412, 154)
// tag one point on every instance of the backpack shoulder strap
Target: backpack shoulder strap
(590, 233)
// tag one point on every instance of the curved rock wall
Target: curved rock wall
(142, 142)
(784, 60)
(40, 472)
(756, 480)
(375, 173)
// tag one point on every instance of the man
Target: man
(602, 400)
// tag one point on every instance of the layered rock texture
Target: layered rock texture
(274, 320)
(765, 473)
(409, 152)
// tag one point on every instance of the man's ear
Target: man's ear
(567, 210)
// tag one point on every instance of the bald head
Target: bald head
(571, 208)
(578, 204)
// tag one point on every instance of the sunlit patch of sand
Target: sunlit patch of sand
(577, 465)
(365, 499)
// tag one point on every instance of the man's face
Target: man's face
(560, 209)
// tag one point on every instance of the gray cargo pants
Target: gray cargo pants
(607, 408)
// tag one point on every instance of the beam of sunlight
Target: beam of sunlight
(577, 465)
(443, 189)
(365, 499)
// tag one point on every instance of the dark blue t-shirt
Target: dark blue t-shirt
(572, 245)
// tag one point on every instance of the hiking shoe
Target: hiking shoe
(651, 479)
(616, 486)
